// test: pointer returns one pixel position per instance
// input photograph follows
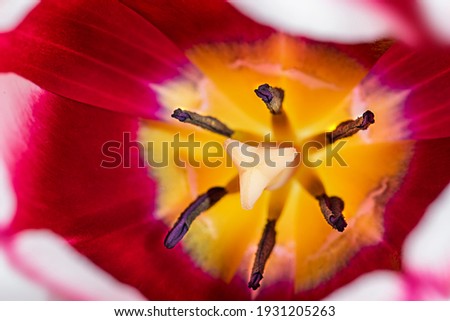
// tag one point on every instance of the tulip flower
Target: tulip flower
(115, 108)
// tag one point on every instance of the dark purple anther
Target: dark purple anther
(331, 208)
(341, 224)
(176, 234)
(206, 122)
(368, 119)
(255, 280)
(180, 115)
(272, 97)
(338, 222)
(201, 204)
(264, 93)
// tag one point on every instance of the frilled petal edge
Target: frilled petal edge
(424, 75)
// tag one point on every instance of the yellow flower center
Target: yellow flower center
(319, 85)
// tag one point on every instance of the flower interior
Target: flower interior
(306, 216)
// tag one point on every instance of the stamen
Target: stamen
(272, 97)
(332, 208)
(201, 204)
(265, 247)
(207, 122)
(350, 127)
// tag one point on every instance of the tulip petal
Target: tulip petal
(425, 179)
(380, 285)
(435, 13)
(73, 49)
(428, 246)
(47, 259)
(197, 21)
(15, 286)
(325, 20)
(425, 109)
(13, 12)
(104, 213)
(192, 23)
(7, 199)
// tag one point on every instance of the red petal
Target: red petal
(95, 52)
(198, 21)
(188, 23)
(426, 74)
(105, 213)
(366, 54)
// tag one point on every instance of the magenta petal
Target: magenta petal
(96, 52)
(426, 76)
(198, 21)
(190, 23)
(408, 14)
(426, 286)
(104, 213)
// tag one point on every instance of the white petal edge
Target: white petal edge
(47, 259)
(428, 246)
(16, 98)
(7, 196)
(15, 286)
(345, 21)
(12, 12)
(435, 14)
(373, 286)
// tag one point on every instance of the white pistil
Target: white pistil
(260, 168)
